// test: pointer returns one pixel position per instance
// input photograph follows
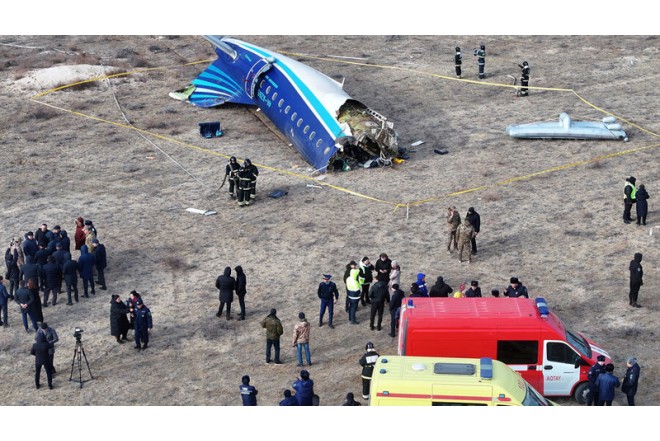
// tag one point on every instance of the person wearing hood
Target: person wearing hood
(379, 294)
(65, 241)
(304, 387)
(274, 330)
(642, 206)
(241, 290)
(475, 221)
(629, 198)
(440, 289)
(464, 235)
(79, 235)
(350, 400)
(119, 324)
(421, 284)
(366, 277)
(86, 263)
(354, 294)
(636, 276)
(226, 284)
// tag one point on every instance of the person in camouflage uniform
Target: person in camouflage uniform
(465, 233)
(274, 330)
(453, 221)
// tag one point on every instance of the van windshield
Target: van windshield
(533, 398)
(579, 343)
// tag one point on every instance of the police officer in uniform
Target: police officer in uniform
(524, 78)
(329, 295)
(594, 372)
(231, 173)
(367, 361)
(458, 60)
(143, 324)
(248, 392)
(481, 60)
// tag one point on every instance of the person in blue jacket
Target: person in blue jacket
(607, 384)
(421, 284)
(289, 400)
(143, 324)
(248, 392)
(86, 270)
(304, 388)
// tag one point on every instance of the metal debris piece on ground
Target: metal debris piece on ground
(416, 143)
(198, 211)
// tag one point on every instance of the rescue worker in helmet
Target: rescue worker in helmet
(458, 60)
(231, 173)
(524, 78)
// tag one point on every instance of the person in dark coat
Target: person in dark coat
(100, 262)
(65, 241)
(248, 392)
(289, 400)
(481, 60)
(143, 325)
(379, 294)
(51, 337)
(474, 290)
(395, 308)
(231, 172)
(42, 359)
(130, 302)
(13, 271)
(383, 265)
(368, 361)
(226, 284)
(350, 398)
(607, 384)
(475, 220)
(4, 301)
(25, 300)
(630, 380)
(642, 206)
(525, 70)
(458, 60)
(328, 293)
(42, 236)
(86, 270)
(52, 276)
(29, 245)
(41, 258)
(304, 387)
(70, 275)
(33, 286)
(592, 376)
(366, 277)
(241, 290)
(516, 289)
(29, 270)
(440, 288)
(118, 321)
(636, 279)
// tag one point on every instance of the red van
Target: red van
(520, 332)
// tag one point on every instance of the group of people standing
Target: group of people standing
(463, 234)
(637, 196)
(242, 181)
(603, 383)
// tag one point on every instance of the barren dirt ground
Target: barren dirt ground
(550, 210)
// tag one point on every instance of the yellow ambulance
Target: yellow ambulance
(436, 381)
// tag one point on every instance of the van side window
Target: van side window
(518, 351)
(561, 353)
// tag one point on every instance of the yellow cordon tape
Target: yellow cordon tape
(396, 205)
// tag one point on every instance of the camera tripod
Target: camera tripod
(78, 354)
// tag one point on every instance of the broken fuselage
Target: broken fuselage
(321, 121)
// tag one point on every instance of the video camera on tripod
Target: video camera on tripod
(77, 333)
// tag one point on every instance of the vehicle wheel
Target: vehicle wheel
(581, 392)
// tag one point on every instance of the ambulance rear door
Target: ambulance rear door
(559, 371)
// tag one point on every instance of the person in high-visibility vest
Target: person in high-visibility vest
(629, 198)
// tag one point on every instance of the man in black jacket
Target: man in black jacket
(25, 299)
(636, 274)
(440, 289)
(70, 275)
(475, 220)
(100, 262)
(630, 380)
(379, 294)
(52, 276)
(395, 306)
(226, 284)
(42, 359)
(329, 295)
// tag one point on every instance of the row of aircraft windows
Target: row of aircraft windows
(294, 115)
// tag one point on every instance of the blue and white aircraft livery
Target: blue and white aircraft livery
(321, 121)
